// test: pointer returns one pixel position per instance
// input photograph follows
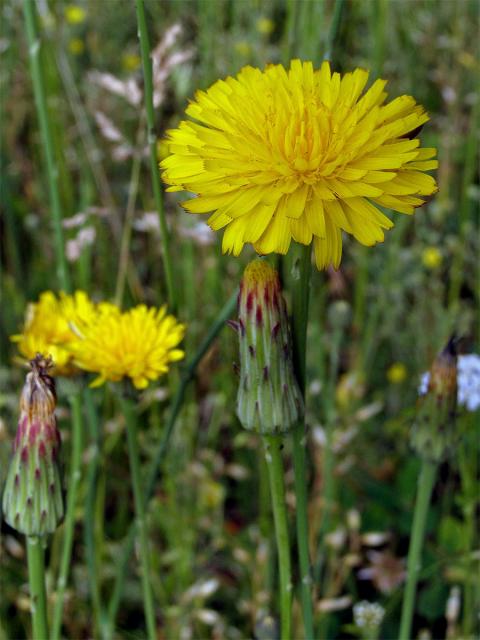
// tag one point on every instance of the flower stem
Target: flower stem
(140, 518)
(38, 596)
(300, 300)
(34, 50)
(69, 527)
(273, 446)
(177, 404)
(152, 145)
(91, 551)
(426, 481)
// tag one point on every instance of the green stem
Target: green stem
(300, 300)
(426, 482)
(69, 527)
(34, 50)
(273, 446)
(90, 499)
(140, 517)
(152, 145)
(38, 596)
(333, 31)
(187, 376)
(127, 227)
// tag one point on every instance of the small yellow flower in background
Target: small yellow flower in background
(138, 344)
(74, 14)
(397, 373)
(131, 61)
(265, 26)
(299, 154)
(431, 258)
(76, 46)
(243, 48)
(48, 327)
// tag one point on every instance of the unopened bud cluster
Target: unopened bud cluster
(433, 434)
(32, 499)
(269, 399)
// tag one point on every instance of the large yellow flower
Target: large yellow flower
(299, 154)
(138, 344)
(48, 327)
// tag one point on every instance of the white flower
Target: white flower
(468, 382)
(368, 615)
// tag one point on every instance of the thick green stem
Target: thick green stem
(38, 596)
(426, 482)
(300, 299)
(152, 145)
(140, 516)
(69, 527)
(34, 50)
(273, 446)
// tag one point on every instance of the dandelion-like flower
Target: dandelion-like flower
(48, 327)
(138, 344)
(277, 155)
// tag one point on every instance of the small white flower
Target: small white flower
(468, 382)
(368, 615)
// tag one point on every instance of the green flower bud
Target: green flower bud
(433, 434)
(269, 399)
(32, 499)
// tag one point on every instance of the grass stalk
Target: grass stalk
(90, 501)
(426, 482)
(38, 595)
(273, 446)
(34, 51)
(177, 404)
(152, 145)
(140, 515)
(69, 526)
(300, 302)
(333, 31)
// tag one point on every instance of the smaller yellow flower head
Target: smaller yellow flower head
(243, 48)
(265, 26)
(75, 14)
(138, 344)
(131, 61)
(76, 46)
(397, 373)
(431, 258)
(48, 327)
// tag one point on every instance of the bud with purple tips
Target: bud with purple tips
(32, 499)
(269, 399)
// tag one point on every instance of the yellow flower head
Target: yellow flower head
(48, 327)
(76, 46)
(431, 258)
(138, 344)
(75, 14)
(397, 373)
(277, 155)
(265, 26)
(131, 61)
(242, 48)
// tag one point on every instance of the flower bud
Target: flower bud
(32, 500)
(433, 434)
(269, 399)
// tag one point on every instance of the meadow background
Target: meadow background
(375, 324)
